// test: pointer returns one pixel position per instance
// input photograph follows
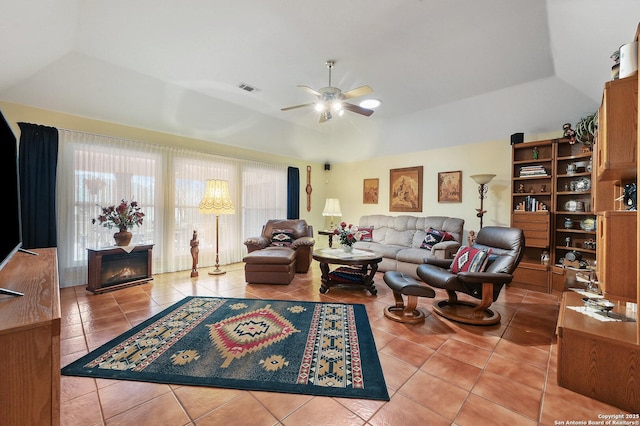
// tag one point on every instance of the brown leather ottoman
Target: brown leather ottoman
(271, 265)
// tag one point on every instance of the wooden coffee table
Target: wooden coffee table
(361, 266)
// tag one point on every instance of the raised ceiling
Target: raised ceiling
(448, 72)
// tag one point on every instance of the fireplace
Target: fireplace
(113, 268)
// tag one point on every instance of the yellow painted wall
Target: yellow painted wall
(15, 113)
(345, 180)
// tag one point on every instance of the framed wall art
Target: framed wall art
(405, 189)
(450, 187)
(370, 191)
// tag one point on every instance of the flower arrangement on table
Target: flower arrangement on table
(347, 234)
(123, 216)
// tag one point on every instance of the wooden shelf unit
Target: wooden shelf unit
(30, 340)
(563, 193)
(573, 187)
(533, 217)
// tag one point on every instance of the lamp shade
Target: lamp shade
(216, 199)
(482, 179)
(332, 207)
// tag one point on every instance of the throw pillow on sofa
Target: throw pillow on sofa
(366, 232)
(469, 259)
(282, 237)
(433, 237)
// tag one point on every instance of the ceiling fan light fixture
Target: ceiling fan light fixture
(370, 103)
(331, 100)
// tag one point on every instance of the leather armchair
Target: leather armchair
(506, 246)
(303, 241)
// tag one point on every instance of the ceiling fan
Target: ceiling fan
(331, 100)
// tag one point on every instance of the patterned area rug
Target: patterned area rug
(250, 344)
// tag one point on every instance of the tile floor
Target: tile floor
(438, 373)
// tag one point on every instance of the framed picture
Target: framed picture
(405, 189)
(450, 187)
(370, 191)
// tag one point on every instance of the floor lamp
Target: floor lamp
(332, 208)
(482, 181)
(216, 201)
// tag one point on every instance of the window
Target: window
(168, 184)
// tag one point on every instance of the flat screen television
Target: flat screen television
(11, 241)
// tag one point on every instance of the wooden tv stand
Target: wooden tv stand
(30, 340)
(112, 268)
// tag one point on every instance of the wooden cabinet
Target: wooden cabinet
(30, 340)
(597, 358)
(531, 273)
(112, 268)
(601, 359)
(617, 130)
(617, 254)
(617, 154)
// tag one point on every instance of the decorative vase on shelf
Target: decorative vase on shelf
(123, 238)
(347, 248)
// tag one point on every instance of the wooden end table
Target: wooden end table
(367, 262)
(328, 234)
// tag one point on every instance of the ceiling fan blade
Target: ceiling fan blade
(297, 106)
(357, 109)
(310, 90)
(359, 91)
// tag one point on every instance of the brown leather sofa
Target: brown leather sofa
(262, 257)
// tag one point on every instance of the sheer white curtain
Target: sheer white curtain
(168, 183)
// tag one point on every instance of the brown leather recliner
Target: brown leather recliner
(303, 241)
(507, 245)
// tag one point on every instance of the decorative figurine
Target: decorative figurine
(536, 153)
(194, 253)
(472, 237)
(568, 241)
(543, 188)
(544, 257)
(521, 188)
(569, 133)
(630, 197)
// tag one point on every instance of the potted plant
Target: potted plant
(587, 129)
(123, 216)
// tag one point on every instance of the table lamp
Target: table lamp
(332, 208)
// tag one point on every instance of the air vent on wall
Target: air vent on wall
(248, 88)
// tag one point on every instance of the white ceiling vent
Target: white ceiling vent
(248, 88)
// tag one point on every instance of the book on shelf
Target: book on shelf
(535, 170)
(531, 204)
